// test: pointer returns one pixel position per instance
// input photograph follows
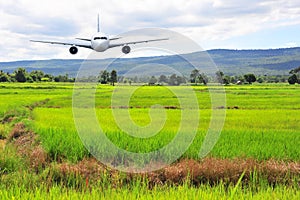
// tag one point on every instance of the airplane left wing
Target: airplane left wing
(136, 42)
(63, 43)
(84, 39)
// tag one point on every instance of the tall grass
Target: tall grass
(273, 137)
(262, 130)
(139, 190)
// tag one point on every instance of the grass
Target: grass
(262, 122)
(266, 118)
(139, 190)
(271, 137)
(261, 131)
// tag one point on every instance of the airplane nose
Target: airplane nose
(100, 45)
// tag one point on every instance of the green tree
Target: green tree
(203, 79)
(63, 78)
(20, 75)
(226, 80)
(194, 76)
(293, 79)
(180, 79)
(233, 79)
(37, 75)
(260, 80)
(104, 77)
(250, 78)
(162, 79)
(220, 77)
(173, 80)
(4, 77)
(113, 77)
(152, 80)
(295, 75)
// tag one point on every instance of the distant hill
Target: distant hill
(231, 62)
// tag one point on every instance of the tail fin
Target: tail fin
(98, 26)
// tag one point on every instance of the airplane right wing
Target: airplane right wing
(136, 42)
(63, 43)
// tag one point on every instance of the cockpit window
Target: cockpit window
(100, 38)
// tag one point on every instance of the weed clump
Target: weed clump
(18, 130)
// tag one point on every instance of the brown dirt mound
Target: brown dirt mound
(18, 130)
(214, 170)
(29, 147)
(208, 170)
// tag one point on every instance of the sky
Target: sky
(212, 24)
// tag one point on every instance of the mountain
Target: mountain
(231, 62)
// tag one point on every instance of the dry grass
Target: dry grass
(209, 170)
(2, 144)
(28, 147)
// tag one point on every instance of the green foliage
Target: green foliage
(250, 78)
(37, 75)
(9, 160)
(162, 79)
(293, 79)
(176, 80)
(219, 76)
(32, 189)
(4, 77)
(20, 75)
(152, 80)
(104, 77)
(196, 77)
(113, 77)
(63, 78)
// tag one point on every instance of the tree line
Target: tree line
(21, 75)
(195, 77)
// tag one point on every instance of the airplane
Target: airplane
(99, 42)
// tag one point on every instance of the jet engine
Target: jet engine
(126, 49)
(73, 50)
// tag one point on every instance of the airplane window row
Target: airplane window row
(100, 38)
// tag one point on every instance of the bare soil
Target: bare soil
(29, 147)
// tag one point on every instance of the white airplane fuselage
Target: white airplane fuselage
(100, 42)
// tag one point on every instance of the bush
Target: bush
(293, 79)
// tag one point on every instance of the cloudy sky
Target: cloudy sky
(233, 24)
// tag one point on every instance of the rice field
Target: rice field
(255, 130)
(140, 191)
(262, 123)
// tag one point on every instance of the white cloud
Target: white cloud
(205, 20)
(291, 44)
